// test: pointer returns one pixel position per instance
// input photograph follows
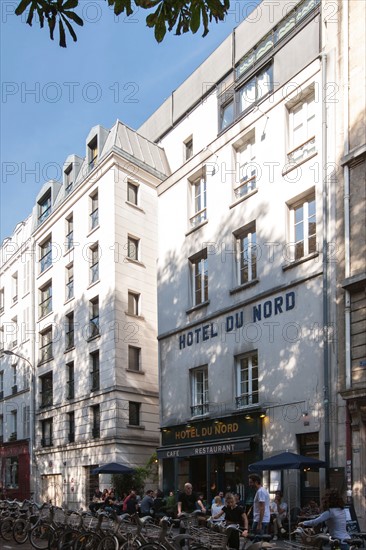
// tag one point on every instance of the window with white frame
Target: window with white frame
(47, 432)
(45, 345)
(246, 93)
(302, 130)
(133, 245)
(133, 305)
(69, 232)
(246, 169)
(132, 193)
(199, 277)
(93, 152)
(246, 254)
(95, 371)
(46, 383)
(13, 425)
(45, 254)
(94, 210)
(188, 148)
(256, 88)
(247, 392)
(14, 278)
(198, 189)
(134, 358)
(14, 387)
(11, 472)
(69, 331)
(199, 390)
(45, 299)
(94, 317)
(68, 176)
(14, 327)
(70, 373)
(2, 300)
(44, 207)
(26, 421)
(94, 263)
(69, 282)
(303, 227)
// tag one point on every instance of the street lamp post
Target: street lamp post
(32, 418)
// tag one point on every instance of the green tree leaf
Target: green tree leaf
(195, 18)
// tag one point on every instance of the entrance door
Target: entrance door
(51, 487)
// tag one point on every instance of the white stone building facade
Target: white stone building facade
(229, 221)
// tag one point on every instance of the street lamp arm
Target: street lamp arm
(8, 352)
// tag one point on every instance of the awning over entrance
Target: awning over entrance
(213, 448)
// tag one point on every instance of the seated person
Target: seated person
(159, 508)
(147, 503)
(234, 514)
(278, 510)
(221, 495)
(216, 509)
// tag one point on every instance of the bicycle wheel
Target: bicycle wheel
(40, 536)
(67, 540)
(152, 546)
(87, 541)
(6, 529)
(131, 545)
(20, 531)
(109, 542)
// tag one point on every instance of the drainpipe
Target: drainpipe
(325, 200)
(347, 254)
(347, 261)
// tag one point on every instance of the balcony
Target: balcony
(2, 394)
(13, 436)
(46, 442)
(302, 151)
(198, 218)
(197, 410)
(47, 399)
(246, 186)
(14, 389)
(247, 399)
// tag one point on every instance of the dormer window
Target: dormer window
(44, 207)
(93, 152)
(68, 180)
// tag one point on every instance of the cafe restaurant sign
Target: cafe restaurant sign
(270, 308)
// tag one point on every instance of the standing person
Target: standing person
(261, 510)
(278, 513)
(334, 515)
(187, 501)
(234, 515)
(147, 503)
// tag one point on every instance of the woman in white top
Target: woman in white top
(334, 516)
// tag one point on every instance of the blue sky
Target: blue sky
(52, 97)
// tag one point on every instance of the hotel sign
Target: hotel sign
(211, 431)
(270, 308)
